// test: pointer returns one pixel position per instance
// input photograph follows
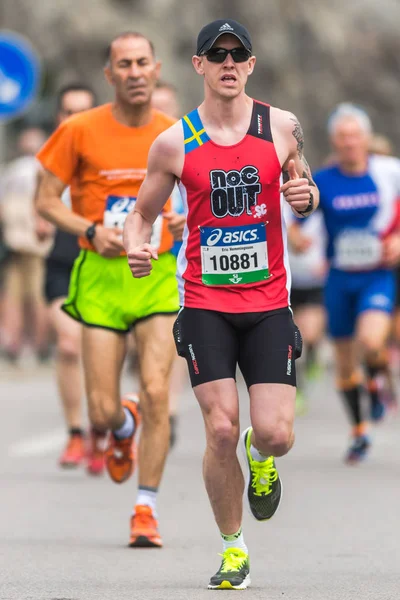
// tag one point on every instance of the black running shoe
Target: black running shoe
(263, 490)
(234, 572)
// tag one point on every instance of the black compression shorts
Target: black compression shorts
(305, 296)
(56, 280)
(263, 344)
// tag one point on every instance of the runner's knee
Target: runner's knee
(276, 439)
(154, 402)
(68, 348)
(222, 433)
(346, 365)
(344, 372)
(371, 342)
(103, 414)
(98, 419)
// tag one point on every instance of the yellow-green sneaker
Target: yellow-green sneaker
(263, 490)
(234, 572)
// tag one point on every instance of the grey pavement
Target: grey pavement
(64, 535)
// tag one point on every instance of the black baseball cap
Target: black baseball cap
(211, 32)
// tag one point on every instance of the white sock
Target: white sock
(127, 428)
(256, 455)
(148, 497)
(236, 540)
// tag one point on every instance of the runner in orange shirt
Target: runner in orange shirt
(102, 155)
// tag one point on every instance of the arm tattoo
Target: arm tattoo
(307, 175)
(298, 135)
(307, 172)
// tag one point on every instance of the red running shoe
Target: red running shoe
(96, 453)
(144, 529)
(73, 453)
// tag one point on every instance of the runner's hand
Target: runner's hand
(43, 229)
(108, 242)
(297, 190)
(176, 224)
(139, 260)
(391, 250)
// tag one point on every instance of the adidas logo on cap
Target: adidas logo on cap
(226, 27)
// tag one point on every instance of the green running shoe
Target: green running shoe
(263, 487)
(234, 572)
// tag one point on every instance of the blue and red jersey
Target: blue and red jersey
(359, 212)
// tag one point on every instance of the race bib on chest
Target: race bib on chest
(234, 255)
(357, 250)
(118, 208)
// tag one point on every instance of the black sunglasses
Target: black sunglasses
(218, 55)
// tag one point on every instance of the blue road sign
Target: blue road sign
(19, 74)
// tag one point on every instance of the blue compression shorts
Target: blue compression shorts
(347, 295)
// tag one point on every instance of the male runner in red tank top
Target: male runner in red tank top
(228, 156)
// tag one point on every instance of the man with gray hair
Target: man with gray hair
(359, 194)
(346, 111)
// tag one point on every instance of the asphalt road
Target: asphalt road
(64, 535)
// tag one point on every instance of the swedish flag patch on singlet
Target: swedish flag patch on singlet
(194, 133)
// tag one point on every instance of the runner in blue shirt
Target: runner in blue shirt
(359, 201)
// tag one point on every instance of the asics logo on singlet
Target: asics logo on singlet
(232, 237)
(234, 192)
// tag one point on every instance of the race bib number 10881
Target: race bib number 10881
(234, 255)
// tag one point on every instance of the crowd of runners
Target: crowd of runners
(202, 246)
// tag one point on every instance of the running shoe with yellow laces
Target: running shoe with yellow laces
(144, 528)
(263, 490)
(121, 453)
(234, 572)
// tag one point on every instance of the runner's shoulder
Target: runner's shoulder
(286, 126)
(169, 142)
(279, 118)
(283, 119)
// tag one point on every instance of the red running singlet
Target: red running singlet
(234, 252)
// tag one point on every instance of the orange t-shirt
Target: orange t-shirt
(105, 162)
